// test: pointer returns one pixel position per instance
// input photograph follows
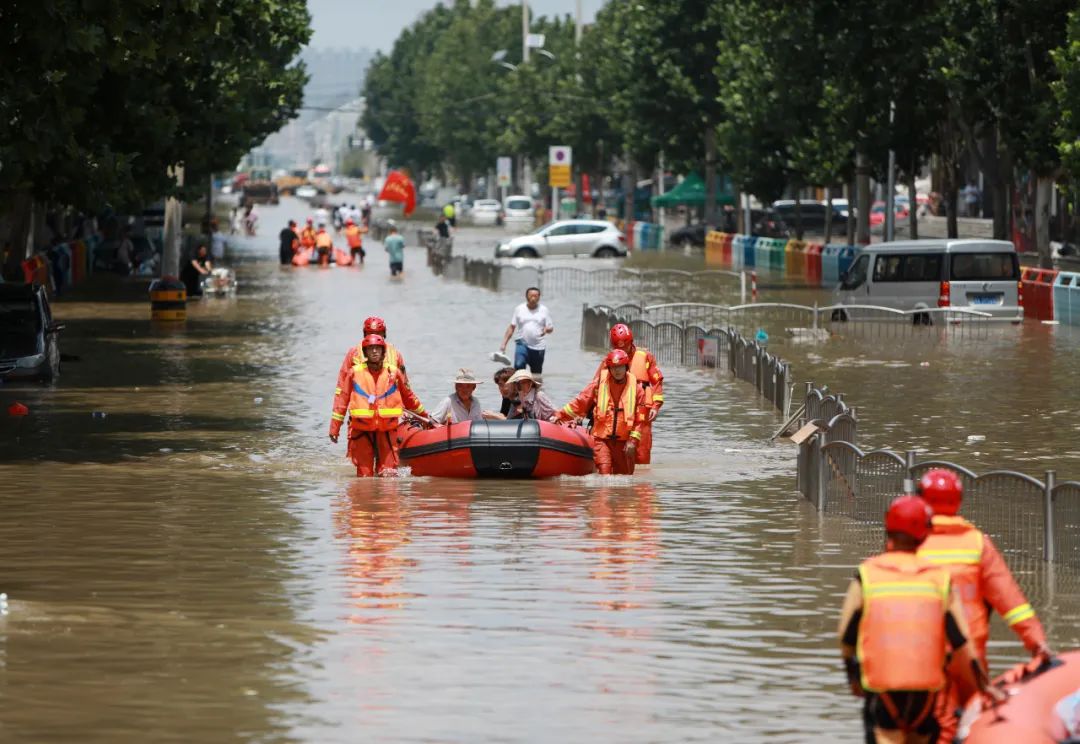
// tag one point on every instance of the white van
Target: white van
(518, 211)
(974, 274)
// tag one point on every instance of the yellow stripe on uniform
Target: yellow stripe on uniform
(569, 411)
(337, 391)
(337, 416)
(658, 398)
(901, 589)
(1019, 614)
(952, 555)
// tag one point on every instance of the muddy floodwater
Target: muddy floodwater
(189, 558)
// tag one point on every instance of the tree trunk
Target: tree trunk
(1044, 192)
(862, 180)
(798, 216)
(20, 245)
(849, 193)
(913, 206)
(951, 201)
(710, 175)
(828, 215)
(629, 182)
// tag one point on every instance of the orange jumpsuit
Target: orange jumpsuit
(354, 237)
(618, 412)
(374, 401)
(643, 366)
(307, 237)
(983, 581)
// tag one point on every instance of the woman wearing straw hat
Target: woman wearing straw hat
(531, 401)
(460, 405)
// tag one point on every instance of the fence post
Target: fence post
(909, 461)
(753, 286)
(822, 474)
(584, 323)
(540, 279)
(1048, 515)
(815, 316)
(742, 287)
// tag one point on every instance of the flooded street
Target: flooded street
(189, 558)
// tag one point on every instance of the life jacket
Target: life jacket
(902, 642)
(374, 404)
(323, 240)
(639, 368)
(957, 545)
(307, 237)
(352, 236)
(615, 419)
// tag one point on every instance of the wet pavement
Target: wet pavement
(199, 563)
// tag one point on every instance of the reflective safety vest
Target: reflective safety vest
(390, 359)
(374, 404)
(901, 643)
(615, 419)
(323, 240)
(352, 236)
(639, 368)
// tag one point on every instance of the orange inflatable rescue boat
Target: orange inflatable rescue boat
(1043, 705)
(498, 449)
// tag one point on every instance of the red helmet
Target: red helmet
(943, 490)
(374, 324)
(309, 220)
(616, 358)
(909, 515)
(373, 339)
(621, 336)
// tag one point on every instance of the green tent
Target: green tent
(691, 191)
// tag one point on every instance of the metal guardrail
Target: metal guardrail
(1026, 516)
(694, 346)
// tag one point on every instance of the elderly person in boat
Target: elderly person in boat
(460, 405)
(530, 402)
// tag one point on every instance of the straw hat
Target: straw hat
(466, 377)
(524, 374)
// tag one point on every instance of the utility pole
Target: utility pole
(524, 30)
(890, 187)
(577, 24)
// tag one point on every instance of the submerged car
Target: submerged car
(597, 238)
(486, 212)
(28, 335)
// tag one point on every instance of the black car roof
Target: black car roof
(18, 291)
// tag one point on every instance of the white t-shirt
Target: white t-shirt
(217, 245)
(529, 325)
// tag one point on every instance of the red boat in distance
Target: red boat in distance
(498, 449)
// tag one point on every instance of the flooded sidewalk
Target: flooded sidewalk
(198, 563)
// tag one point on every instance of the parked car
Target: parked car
(566, 238)
(689, 235)
(975, 274)
(767, 223)
(812, 213)
(307, 191)
(877, 212)
(28, 335)
(518, 210)
(487, 212)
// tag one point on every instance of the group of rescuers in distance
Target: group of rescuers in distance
(915, 620)
(622, 400)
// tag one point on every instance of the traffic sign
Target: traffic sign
(502, 168)
(560, 155)
(559, 176)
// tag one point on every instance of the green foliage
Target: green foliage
(1067, 93)
(99, 98)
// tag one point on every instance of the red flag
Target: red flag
(399, 188)
(586, 192)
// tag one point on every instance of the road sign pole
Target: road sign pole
(554, 202)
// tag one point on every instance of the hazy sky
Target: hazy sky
(375, 24)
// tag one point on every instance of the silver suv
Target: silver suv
(566, 238)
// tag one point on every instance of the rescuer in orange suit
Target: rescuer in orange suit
(324, 245)
(981, 579)
(374, 396)
(354, 236)
(899, 614)
(616, 403)
(307, 236)
(644, 368)
(376, 325)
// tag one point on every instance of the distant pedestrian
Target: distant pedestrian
(971, 196)
(531, 324)
(193, 271)
(442, 227)
(217, 241)
(395, 246)
(289, 243)
(450, 214)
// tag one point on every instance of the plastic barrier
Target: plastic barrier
(795, 257)
(628, 230)
(846, 258)
(36, 270)
(1038, 289)
(777, 254)
(743, 246)
(830, 264)
(813, 262)
(1066, 298)
(714, 249)
(761, 253)
(168, 299)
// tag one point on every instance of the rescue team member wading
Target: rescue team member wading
(644, 368)
(324, 244)
(307, 236)
(898, 614)
(982, 580)
(374, 325)
(616, 403)
(374, 396)
(354, 236)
